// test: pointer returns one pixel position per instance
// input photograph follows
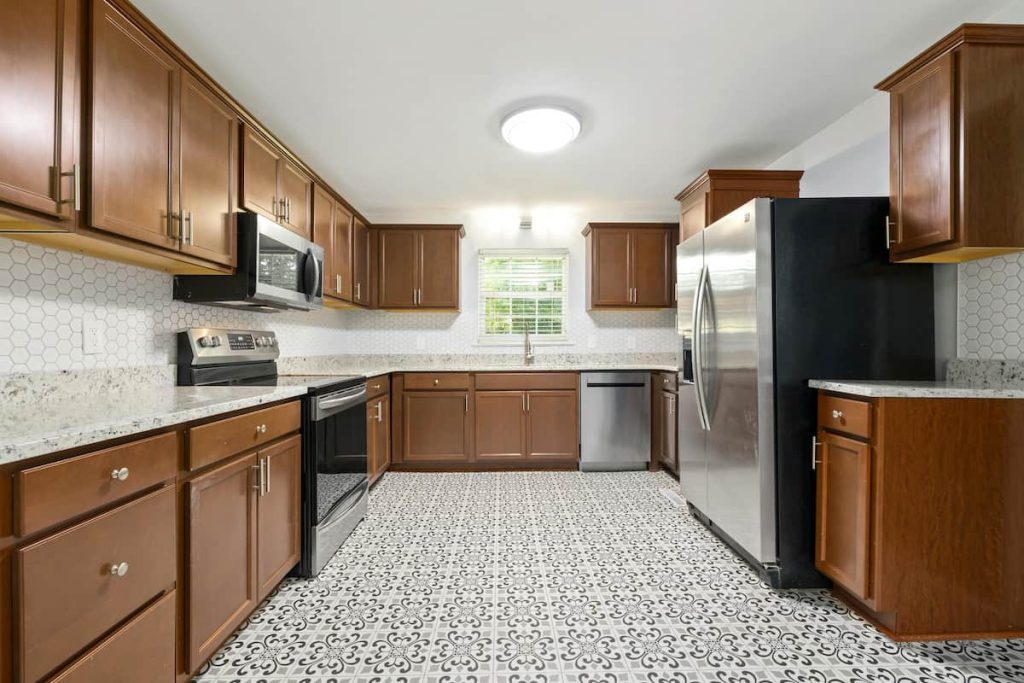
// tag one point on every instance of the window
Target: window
(520, 291)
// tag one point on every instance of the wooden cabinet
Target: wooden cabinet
(164, 160)
(378, 436)
(209, 173)
(418, 266)
(361, 264)
(278, 522)
(551, 425)
(39, 124)
(274, 186)
(918, 495)
(332, 230)
(500, 425)
(664, 442)
(718, 192)
(527, 417)
(437, 426)
(956, 154)
(630, 265)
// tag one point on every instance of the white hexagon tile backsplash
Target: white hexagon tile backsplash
(991, 308)
(47, 295)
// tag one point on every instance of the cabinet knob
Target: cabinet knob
(837, 415)
(436, 382)
(118, 569)
(261, 429)
(120, 474)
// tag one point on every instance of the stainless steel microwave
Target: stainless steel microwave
(277, 270)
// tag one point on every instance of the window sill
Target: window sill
(518, 343)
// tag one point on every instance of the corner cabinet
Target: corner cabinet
(664, 428)
(418, 266)
(956, 153)
(718, 192)
(630, 265)
(274, 186)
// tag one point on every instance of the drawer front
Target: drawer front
(525, 381)
(68, 595)
(666, 381)
(437, 380)
(50, 494)
(844, 415)
(215, 441)
(378, 386)
(141, 650)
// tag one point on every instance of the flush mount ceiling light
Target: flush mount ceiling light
(540, 129)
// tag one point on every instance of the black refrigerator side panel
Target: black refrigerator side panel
(842, 311)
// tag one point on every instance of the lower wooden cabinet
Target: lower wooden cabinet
(552, 419)
(500, 425)
(664, 427)
(378, 436)
(437, 427)
(278, 510)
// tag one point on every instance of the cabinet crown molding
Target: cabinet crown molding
(757, 176)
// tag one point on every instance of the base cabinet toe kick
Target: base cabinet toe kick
(135, 560)
(919, 509)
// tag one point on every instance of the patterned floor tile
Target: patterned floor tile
(552, 577)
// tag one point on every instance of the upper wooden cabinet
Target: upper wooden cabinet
(332, 230)
(418, 266)
(362, 264)
(274, 186)
(717, 192)
(630, 265)
(40, 168)
(956, 152)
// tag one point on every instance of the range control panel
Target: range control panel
(206, 345)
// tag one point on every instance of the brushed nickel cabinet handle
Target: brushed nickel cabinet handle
(76, 187)
(258, 486)
(814, 453)
(465, 408)
(119, 474)
(266, 488)
(337, 283)
(380, 411)
(118, 569)
(527, 402)
(524, 403)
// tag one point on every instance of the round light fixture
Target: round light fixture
(540, 129)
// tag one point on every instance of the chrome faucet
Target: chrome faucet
(527, 348)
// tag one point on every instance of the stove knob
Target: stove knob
(261, 341)
(273, 341)
(205, 342)
(215, 341)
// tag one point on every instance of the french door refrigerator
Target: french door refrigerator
(772, 295)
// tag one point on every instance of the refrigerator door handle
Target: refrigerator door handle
(698, 349)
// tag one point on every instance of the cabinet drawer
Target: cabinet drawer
(437, 380)
(666, 381)
(141, 650)
(49, 494)
(378, 386)
(67, 593)
(844, 415)
(215, 441)
(525, 381)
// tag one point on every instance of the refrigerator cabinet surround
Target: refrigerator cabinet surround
(774, 294)
(615, 421)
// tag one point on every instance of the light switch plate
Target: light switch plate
(92, 337)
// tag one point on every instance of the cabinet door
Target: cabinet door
(922, 109)
(667, 409)
(693, 216)
(373, 447)
(552, 418)
(657, 424)
(378, 432)
(134, 184)
(39, 119)
(438, 268)
(610, 277)
(651, 267)
(260, 159)
(360, 263)
(399, 265)
(342, 252)
(209, 173)
(323, 235)
(221, 577)
(500, 425)
(844, 512)
(279, 509)
(296, 189)
(436, 426)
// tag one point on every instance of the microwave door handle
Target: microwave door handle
(311, 280)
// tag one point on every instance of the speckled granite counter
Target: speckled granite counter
(878, 389)
(28, 430)
(547, 362)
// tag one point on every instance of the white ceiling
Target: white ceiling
(398, 104)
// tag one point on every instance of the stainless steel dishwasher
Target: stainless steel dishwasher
(615, 421)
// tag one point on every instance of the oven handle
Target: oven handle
(337, 402)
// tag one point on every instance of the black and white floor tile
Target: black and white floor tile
(563, 576)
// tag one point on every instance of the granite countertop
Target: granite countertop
(937, 389)
(29, 430)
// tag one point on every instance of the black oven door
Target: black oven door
(338, 464)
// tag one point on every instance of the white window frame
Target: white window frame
(517, 339)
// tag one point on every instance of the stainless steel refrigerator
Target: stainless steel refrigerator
(779, 292)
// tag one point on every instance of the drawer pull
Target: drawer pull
(119, 569)
(261, 429)
(120, 474)
(436, 382)
(837, 415)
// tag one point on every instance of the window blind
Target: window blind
(520, 291)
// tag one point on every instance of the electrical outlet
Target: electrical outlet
(631, 342)
(421, 342)
(92, 337)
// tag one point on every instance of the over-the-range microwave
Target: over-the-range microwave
(277, 270)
